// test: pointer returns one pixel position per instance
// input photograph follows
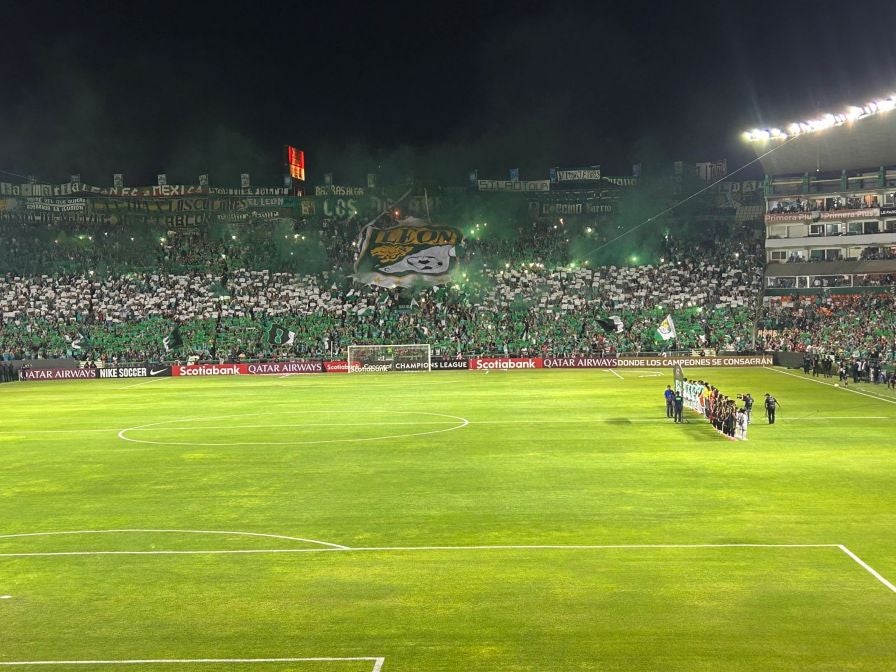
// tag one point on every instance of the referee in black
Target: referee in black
(771, 405)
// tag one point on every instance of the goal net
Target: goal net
(411, 357)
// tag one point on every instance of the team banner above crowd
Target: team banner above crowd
(513, 185)
(588, 174)
(154, 191)
(409, 253)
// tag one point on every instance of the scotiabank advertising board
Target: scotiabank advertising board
(283, 368)
(580, 362)
(336, 367)
(505, 363)
(58, 374)
(210, 370)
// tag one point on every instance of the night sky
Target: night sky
(433, 89)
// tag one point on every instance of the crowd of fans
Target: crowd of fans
(849, 326)
(518, 293)
(499, 305)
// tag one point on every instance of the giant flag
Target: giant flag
(409, 252)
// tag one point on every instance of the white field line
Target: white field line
(145, 382)
(615, 374)
(821, 382)
(462, 422)
(406, 549)
(376, 660)
(867, 568)
(58, 431)
(173, 531)
(195, 428)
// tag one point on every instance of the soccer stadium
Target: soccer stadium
(564, 419)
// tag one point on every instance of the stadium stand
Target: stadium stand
(514, 308)
(848, 325)
(90, 288)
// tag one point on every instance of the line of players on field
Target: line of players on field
(721, 411)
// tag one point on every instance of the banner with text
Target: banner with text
(283, 368)
(505, 363)
(449, 364)
(148, 371)
(210, 370)
(588, 174)
(580, 362)
(723, 361)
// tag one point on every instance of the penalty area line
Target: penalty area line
(868, 568)
(407, 549)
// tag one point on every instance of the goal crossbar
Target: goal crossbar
(389, 358)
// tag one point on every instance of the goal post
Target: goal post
(399, 357)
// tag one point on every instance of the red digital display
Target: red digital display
(295, 161)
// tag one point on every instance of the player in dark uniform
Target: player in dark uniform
(771, 406)
(748, 406)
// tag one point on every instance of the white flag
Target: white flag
(666, 330)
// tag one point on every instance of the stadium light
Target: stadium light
(852, 114)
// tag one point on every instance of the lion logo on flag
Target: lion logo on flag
(410, 252)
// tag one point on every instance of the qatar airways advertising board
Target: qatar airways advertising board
(283, 368)
(580, 362)
(58, 374)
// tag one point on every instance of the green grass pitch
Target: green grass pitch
(547, 520)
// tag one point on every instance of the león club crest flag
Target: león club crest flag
(666, 330)
(407, 253)
(280, 335)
